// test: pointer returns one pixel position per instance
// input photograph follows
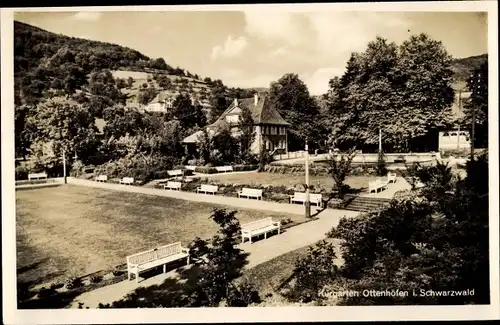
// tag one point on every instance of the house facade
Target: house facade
(271, 130)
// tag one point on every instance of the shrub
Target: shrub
(286, 221)
(73, 283)
(198, 248)
(205, 170)
(381, 165)
(57, 285)
(77, 168)
(46, 292)
(158, 174)
(242, 168)
(96, 279)
(117, 272)
(21, 173)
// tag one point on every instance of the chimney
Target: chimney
(256, 99)
(236, 102)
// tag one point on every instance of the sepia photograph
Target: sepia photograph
(288, 158)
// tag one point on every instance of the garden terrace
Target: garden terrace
(73, 231)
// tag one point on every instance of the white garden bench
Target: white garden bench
(314, 198)
(224, 169)
(259, 227)
(193, 168)
(101, 178)
(173, 186)
(175, 173)
(127, 180)
(149, 259)
(378, 184)
(212, 189)
(250, 192)
(37, 176)
(391, 177)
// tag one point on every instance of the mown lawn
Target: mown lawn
(276, 179)
(72, 231)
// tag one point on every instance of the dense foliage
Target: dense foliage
(403, 90)
(435, 238)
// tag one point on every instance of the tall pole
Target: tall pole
(307, 203)
(64, 166)
(379, 140)
(460, 109)
(472, 133)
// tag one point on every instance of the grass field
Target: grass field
(275, 179)
(72, 231)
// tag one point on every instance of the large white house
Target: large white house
(271, 130)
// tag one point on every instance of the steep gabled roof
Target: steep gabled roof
(262, 113)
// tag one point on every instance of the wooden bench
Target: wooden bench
(101, 178)
(127, 180)
(314, 198)
(172, 186)
(378, 184)
(224, 169)
(149, 259)
(250, 192)
(37, 176)
(391, 177)
(259, 227)
(212, 189)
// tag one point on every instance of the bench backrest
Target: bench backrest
(301, 196)
(251, 191)
(155, 254)
(174, 184)
(209, 188)
(128, 179)
(37, 175)
(176, 172)
(255, 225)
(391, 176)
(224, 168)
(190, 168)
(102, 177)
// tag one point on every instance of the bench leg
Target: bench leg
(137, 277)
(242, 239)
(188, 260)
(279, 230)
(128, 274)
(265, 235)
(164, 268)
(250, 238)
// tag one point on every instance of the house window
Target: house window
(282, 130)
(232, 118)
(273, 130)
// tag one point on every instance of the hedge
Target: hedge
(236, 168)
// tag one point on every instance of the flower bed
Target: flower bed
(317, 169)
(213, 170)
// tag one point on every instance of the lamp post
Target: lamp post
(64, 166)
(307, 203)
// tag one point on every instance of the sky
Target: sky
(255, 47)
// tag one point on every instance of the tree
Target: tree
(313, 271)
(226, 145)
(478, 85)
(164, 82)
(381, 167)
(217, 99)
(290, 96)
(146, 95)
(130, 82)
(64, 125)
(388, 87)
(205, 145)
(186, 113)
(432, 239)
(247, 134)
(339, 169)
